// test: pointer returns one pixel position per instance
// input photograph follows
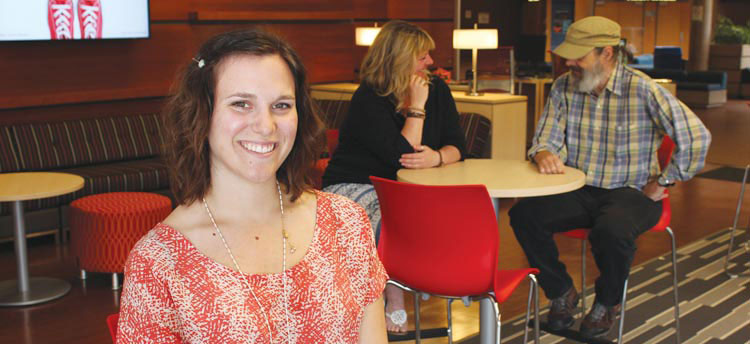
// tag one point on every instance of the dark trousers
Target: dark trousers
(616, 217)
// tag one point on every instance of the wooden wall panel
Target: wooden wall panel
(649, 24)
(649, 28)
(442, 34)
(583, 8)
(322, 31)
(169, 9)
(105, 70)
(673, 25)
(370, 9)
(420, 9)
(631, 21)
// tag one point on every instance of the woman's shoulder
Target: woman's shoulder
(365, 92)
(345, 214)
(156, 249)
(338, 204)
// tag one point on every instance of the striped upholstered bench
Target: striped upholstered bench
(111, 153)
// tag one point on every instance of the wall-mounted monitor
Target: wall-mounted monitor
(33, 20)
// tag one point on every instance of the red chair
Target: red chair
(332, 141)
(443, 240)
(112, 324)
(664, 154)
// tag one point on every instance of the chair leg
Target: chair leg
(622, 311)
(528, 310)
(115, 282)
(83, 274)
(450, 321)
(535, 284)
(583, 278)
(499, 324)
(734, 225)
(417, 331)
(674, 287)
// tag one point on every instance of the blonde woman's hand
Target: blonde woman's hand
(418, 91)
(424, 157)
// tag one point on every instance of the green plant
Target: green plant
(729, 33)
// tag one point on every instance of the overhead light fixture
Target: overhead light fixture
(474, 39)
(364, 36)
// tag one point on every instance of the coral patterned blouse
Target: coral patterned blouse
(174, 294)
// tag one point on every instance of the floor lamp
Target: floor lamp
(474, 39)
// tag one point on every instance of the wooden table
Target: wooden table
(506, 112)
(503, 179)
(18, 187)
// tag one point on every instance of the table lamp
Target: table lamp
(364, 36)
(474, 39)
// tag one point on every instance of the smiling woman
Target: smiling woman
(252, 253)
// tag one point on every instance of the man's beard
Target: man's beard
(591, 78)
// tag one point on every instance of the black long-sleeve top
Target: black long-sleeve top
(370, 140)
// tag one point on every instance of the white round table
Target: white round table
(18, 187)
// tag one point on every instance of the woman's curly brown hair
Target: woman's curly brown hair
(187, 116)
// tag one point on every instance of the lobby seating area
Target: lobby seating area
(113, 154)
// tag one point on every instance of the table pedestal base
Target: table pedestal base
(41, 289)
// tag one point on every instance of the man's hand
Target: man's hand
(549, 163)
(655, 191)
(424, 157)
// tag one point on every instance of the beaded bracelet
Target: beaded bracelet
(414, 114)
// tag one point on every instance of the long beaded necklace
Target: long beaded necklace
(285, 237)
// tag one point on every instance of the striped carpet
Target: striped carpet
(713, 307)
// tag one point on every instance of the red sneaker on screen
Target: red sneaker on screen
(60, 19)
(90, 18)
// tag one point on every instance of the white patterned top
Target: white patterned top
(173, 293)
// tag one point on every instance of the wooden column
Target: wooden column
(701, 33)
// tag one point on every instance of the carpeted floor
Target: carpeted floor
(713, 307)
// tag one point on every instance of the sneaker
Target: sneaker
(60, 19)
(90, 18)
(561, 312)
(599, 321)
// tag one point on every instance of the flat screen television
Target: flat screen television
(34, 20)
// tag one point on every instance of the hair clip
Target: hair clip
(200, 62)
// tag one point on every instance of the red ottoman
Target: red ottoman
(105, 227)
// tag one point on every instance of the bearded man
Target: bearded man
(608, 120)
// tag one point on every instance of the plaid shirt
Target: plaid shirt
(614, 137)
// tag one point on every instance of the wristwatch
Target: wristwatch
(664, 181)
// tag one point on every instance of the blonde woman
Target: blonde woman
(400, 117)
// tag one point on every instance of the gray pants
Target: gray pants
(364, 195)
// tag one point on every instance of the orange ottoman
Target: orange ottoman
(105, 227)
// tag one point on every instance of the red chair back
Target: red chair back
(438, 239)
(112, 324)
(332, 140)
(665, 151)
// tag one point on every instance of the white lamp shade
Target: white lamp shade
(365, 35)
(475, 39)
